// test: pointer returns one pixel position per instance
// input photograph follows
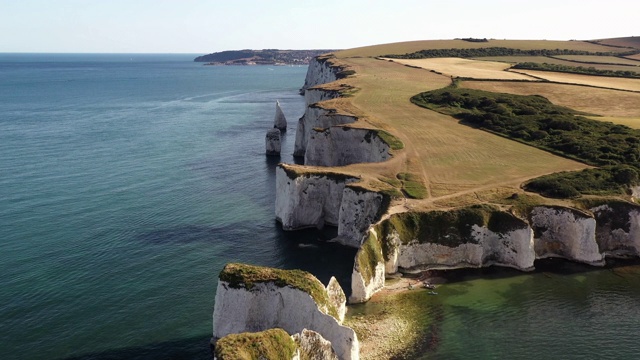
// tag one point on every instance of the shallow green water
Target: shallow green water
(568, 312)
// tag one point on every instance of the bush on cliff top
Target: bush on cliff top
(270, 344)
(242, 276)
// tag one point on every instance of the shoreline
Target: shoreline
(395, 322)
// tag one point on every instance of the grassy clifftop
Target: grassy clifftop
(243, 276)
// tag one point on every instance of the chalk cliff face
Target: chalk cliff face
(358, 210)
(308, 200)
(316, 117)
(315, 200)
(467, 237)
(320, 72)
(273, 304)
(483, 248)
(342, 145)
(564, 232)
(618, 229)
(314, 95)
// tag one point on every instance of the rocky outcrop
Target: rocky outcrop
(618, 228)
(566, 233)
(272, 142)
(316, 117)
(312, 345)
(279, 121)
(252, 299)
(337, 298)
(359, 209)
(468, 237)
(368, 273)
(343, 145)
(476, 236)
(308, 200)
(483, 248)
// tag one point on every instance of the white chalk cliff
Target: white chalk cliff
(308, 200)
(483, 248)
(267, 305)
(320, 71)
(564, 232)
(359, 209)
(343, 145)
(618, 229)
(316, 117)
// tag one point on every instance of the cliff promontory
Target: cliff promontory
(252, 299)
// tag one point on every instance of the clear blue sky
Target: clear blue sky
(203, 26)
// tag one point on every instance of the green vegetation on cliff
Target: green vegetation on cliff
(243, 276)
(536, 121)
(449, 228)
(273, 344)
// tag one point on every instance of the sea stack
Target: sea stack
(272, 142)
(279, 122)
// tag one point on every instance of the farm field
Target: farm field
(632, 42)
(632, 122)
(413, 46)
(597, 81)
(556, 61)
(458, 67)
(594, 101)
(600, 59)
(634, 57)
(452, 159)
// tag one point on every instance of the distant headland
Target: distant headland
(261, 57)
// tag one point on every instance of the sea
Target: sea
(127, 181)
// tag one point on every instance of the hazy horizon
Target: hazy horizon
(202, 27)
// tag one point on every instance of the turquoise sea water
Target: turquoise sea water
(128, 181)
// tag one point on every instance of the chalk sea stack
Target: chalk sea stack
(272, 142)
(279, 122)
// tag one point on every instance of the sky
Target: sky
(205, 26)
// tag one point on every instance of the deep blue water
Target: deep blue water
(126, 183)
